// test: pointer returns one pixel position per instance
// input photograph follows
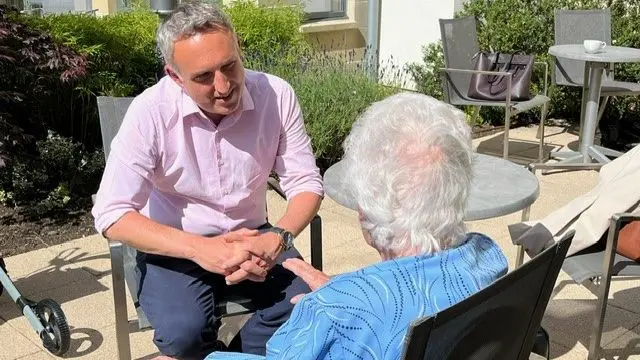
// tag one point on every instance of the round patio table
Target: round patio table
(499, 187)
(595, 63)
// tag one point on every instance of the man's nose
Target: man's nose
(221, 83)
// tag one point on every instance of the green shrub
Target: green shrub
(122, 62)
(38, 79)
(268, 34)
(331, 100)
(36, 74)
(60, 176)
(427, 75)
(121, 47)
(332, 95)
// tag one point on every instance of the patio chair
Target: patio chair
(501, 321)
(597, 263)
(123, 257)
(573, 27)
(460, 45)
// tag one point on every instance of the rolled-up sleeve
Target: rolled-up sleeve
(295, 163)
(126, 182)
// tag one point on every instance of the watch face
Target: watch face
(288, 239)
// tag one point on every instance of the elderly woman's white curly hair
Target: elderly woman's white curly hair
(409, 158)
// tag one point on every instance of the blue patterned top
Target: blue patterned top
(365, 314)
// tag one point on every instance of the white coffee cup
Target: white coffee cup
(593, 46)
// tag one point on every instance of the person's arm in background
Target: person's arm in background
(299, 178)
(125, 188)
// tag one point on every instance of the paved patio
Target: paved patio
(77, 274)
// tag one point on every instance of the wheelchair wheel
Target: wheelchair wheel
(56, 336)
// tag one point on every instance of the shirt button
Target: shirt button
(221, 162)
(226, 192)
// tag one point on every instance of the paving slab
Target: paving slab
(84, 313)
(626, 346)
(42, 270)
(13, 344)
(40, 355)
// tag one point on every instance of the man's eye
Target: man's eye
(203, 77)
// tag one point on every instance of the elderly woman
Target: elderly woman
(409, 158)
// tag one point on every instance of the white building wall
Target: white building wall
(405, 27)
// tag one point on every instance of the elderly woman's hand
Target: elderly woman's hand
(310, 275)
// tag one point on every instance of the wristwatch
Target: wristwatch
(286, 238)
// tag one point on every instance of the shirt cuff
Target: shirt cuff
(104, 221)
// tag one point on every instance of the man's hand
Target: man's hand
(310, 275)
(219, 255)
(264, 248)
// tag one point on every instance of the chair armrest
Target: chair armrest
(533, 167)
(275, 185)
(615, 224)
(467, 71)
(625, 217)
(315, 228)
(498, 73)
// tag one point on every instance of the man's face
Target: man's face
(209, 69)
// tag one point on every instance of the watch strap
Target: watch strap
(286, 245)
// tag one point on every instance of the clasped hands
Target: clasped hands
(248, 255)
(239, 255)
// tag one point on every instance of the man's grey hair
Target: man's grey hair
(188, 19)
(409, 159)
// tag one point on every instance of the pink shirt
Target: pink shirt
(172, 164)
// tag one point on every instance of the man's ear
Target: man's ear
(174, 75)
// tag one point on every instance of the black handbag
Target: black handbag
(494, 87)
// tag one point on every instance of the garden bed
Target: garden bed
(19, 235)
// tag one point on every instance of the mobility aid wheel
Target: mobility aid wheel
(3, 267)
(56, 336)
(45, 317)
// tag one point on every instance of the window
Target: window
(58, 6)
(323, 9)
(19, 4)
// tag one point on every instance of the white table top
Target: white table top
(499, 187)
(610, 54)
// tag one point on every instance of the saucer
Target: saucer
(599, 51)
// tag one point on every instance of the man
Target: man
(409, 160)
(186, 181)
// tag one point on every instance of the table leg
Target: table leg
(607, 151)
(588, 123)
(525, 217)
(583, 102)
(591, 110)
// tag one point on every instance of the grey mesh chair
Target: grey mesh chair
(460, 45)
(573, 27)
(501, 321)
(123, 257)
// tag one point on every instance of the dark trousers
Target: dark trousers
(179, 298)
